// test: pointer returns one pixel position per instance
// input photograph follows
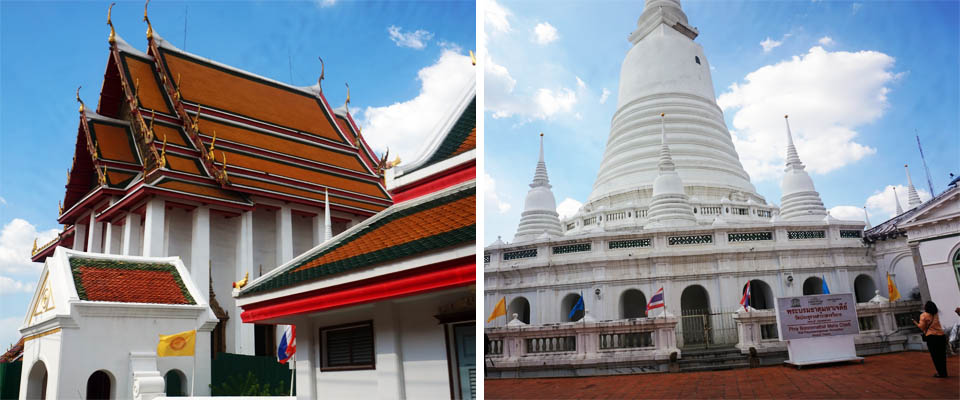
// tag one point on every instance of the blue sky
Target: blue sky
(401, 60)
(857, 78)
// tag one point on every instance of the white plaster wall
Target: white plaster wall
(178, 234)
(941, 278)
(224, 236)
(905, 276)
(302, 234)
(46, 349)
(343, 384)
(264, 241)
(422, 344)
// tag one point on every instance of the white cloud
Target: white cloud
(325, 3)
(498, 88)
(415, 40)
(581, 84)
(544, 33)
(883, 205)
(496, 16)
(16, 243)
(3, 201)
(11, 286)
(828, 95)
(568, 207)
(604, 95)
(770, 44)
(826, 41)
(490, 196)
(550, 102)
(847, 213)
(404, 126)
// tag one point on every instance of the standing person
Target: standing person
(954, 339)
(933, 334)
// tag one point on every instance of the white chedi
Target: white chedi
(800, 201)
(539, 214)
(670, 205)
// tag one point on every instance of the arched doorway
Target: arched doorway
(99, 386)
(864, 288)
(633, 304)
(813, 285)
(566, 305)
(37, 381)
(761, 296)
(175, 383)
(521, 307)
(695, 316)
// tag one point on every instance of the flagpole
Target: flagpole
(193, 377)
(293, 373)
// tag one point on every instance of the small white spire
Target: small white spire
(327, 226)
(799, 198)
(670, 205)
(793, 159)
(896, 198)
(539, 216)
(913, 199)
(866, 216)
(666, 161)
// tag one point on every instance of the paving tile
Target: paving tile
(906, 375)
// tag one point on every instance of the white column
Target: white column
(308, 343)
(244, 332)
(284, 235)
(200, 250)
(79, 236)
(131, 235)
(318, 236)
(153, 227)
(95, 236)
(389, 359)
(109, 247)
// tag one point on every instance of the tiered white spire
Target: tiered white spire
(539, 214)
(913, 199)
(800, 201)
(896, 198)
(866, 217)
(670, 206)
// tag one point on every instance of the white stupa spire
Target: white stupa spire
(327, 226)
(896, 198)
(800, 200)
(539, 214)
(670, 205)
(866, 217)
(913, 199)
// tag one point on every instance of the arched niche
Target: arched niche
(175, 383)
(37, 381)
(633, 304)
(567, 304)
(100, 386)
(864, 288)
(761, 295)
(520, 306)
(812, 285)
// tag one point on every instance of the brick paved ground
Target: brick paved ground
(907, 375)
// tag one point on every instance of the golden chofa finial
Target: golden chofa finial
(147, 20)
(113, 34)
(196, 120)
(79, 100)
(394, 163)
(223, 173)
(34, 251)
(176, 96)
(163, 152)
(347, 102)
(320, 79)
(473, 58)
(210, 152)
(60, 207)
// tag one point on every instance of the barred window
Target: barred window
(347, 347)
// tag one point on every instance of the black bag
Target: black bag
(923, 337)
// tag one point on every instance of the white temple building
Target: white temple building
(671, 207)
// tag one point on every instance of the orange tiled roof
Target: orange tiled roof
(396, 233)
(114, 142)
(128, 282)
(143, 71)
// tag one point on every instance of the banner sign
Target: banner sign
(817, 316)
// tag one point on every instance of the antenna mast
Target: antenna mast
(929, 180)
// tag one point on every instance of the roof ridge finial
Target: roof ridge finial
(793, 159)
(322, 70)
(82, 109)
(346, 103)
(473, 58)
(112, 39)
(147, 20)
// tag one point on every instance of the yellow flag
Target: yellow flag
(177, 344)
(499, 309)
(894, 293)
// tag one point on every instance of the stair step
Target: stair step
(719, 367)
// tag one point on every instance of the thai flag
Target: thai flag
(745, 300)
(656, 301)
(288, 344)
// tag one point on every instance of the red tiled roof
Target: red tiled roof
(128, 282)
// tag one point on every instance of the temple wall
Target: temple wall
(264, 241)
(224, 239)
